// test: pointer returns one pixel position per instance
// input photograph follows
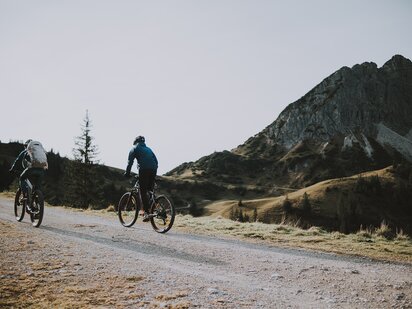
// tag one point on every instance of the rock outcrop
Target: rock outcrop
(357, 100)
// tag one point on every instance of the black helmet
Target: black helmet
(139, 139)
(27, 142)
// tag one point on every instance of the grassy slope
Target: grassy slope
(324, 197)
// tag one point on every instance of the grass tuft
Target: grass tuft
(111, 208)
(385, 231)
(401, 236)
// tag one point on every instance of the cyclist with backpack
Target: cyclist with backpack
(147, 164)
(33, 160)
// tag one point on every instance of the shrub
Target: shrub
(361, 185)
(195, 210)
(255, 215)
(287, 204)
(305, 203)
(375, 184)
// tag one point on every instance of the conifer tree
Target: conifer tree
(305, 203)
(287, 205)
(255, 215)
(342, 213)
(241, 218)
(85, 186)
(232, 214)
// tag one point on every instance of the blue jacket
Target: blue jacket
(145, 157)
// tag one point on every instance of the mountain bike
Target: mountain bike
(162, 212)
(33, 204)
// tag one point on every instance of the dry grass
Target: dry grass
(175, 295)
(9, 195)
(365, 243)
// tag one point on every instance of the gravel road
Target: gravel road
(79, 259)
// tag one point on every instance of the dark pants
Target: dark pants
(146, 184)
(35, 175)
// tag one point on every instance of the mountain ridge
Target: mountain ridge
(342, 126)
(321, 113)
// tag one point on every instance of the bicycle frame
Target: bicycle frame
(136, 191)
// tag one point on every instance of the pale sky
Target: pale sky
(192, 76)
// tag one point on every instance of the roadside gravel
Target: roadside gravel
(76, 259)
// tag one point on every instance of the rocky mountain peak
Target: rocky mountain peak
(396, 62)
(359, 99)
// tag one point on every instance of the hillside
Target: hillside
(342, 204)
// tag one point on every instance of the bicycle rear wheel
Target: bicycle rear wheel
(128, 209)
(37, 207)
(162, 214)
(19, 205)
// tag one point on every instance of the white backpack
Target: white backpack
(37, 155)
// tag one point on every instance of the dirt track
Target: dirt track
(76, 259)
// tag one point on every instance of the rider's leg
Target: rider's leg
(36, 177)
(23, 183)
(146, 184)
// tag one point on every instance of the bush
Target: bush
(195, 210)
(287, 204)
(255, 215)
(305, 203)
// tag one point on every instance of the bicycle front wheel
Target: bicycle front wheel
(19, 205)
(37, 207)
(128, 209)
(162, 214)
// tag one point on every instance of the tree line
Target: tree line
(80, 183)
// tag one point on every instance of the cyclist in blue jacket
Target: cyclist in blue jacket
(147, 165)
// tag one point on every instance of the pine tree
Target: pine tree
(342, 213)
(86, 151)
(85, 185)
(287, 204)
(236, 214)
(232, 214)
(241, 218)
(305, 203)
(255, 215)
